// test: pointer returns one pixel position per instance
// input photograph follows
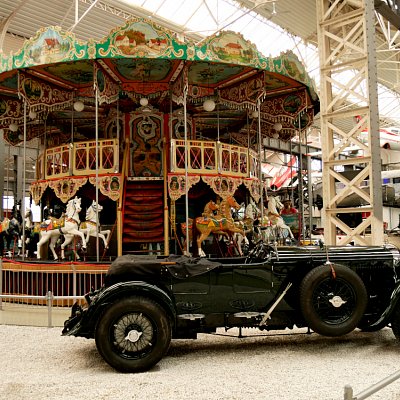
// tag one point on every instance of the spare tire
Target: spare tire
(333, 299)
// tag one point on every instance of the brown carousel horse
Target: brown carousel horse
(220, 224)
(209, 210)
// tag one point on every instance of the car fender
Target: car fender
(126, 289)
(394, 302)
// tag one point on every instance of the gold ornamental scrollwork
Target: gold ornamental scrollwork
(37, 189)
(223, 186)
(64, 189)
(253, 186)
(109, 185)
(177, 186)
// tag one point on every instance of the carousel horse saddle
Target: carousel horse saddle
(52, 223)
(212, 222)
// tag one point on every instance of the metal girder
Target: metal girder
(135, 12)
(348, 93)
(5, 24)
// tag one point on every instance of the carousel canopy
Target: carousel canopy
(223, 81)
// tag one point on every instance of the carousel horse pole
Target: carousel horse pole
(89, 226)
(274, 216)
(69, 230)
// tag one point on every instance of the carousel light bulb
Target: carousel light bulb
(143, 102)
(32, 114)
(254, 114)
(21, 137)
(13, 127)
(277, 126)
(275, 135)
(209, 105)
(79, 106)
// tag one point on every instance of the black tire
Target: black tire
(332, 305)
(395, 321)
(366, 326)
(148, 326)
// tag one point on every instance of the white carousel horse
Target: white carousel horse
(274, 217)
(68, 227)
(240, 238)
(89, 226)
(251, 212)
(246, 224)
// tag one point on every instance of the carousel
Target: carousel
(147, 143)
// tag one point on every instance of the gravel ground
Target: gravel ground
(38, 363)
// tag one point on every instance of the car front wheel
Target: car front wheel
(133, 334)
(333, 299)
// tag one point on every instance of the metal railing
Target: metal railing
(79, 159)
(52, 286)
(213, 158)
(348, 390)
(48, 299)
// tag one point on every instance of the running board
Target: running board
(248, 314)
(191, 317)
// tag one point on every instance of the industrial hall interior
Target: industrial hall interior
(284, 122)
(220, 170)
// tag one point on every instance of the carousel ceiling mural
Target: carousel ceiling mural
(42, 83)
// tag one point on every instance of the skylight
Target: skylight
(206, 17)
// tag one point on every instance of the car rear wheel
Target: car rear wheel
(133, 334)
(333, 299)
(395, 322)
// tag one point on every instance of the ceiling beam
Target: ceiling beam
(389, 10)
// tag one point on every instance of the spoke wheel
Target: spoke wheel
(332, 304)
(133, 334)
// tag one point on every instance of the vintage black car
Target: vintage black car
(147, 301)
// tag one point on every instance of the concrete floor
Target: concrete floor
(16, 314)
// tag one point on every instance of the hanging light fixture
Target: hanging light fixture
(144, 102)
(13, 127)
(209, 105)
(79, 106)
(32, 114)
(277, 128)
